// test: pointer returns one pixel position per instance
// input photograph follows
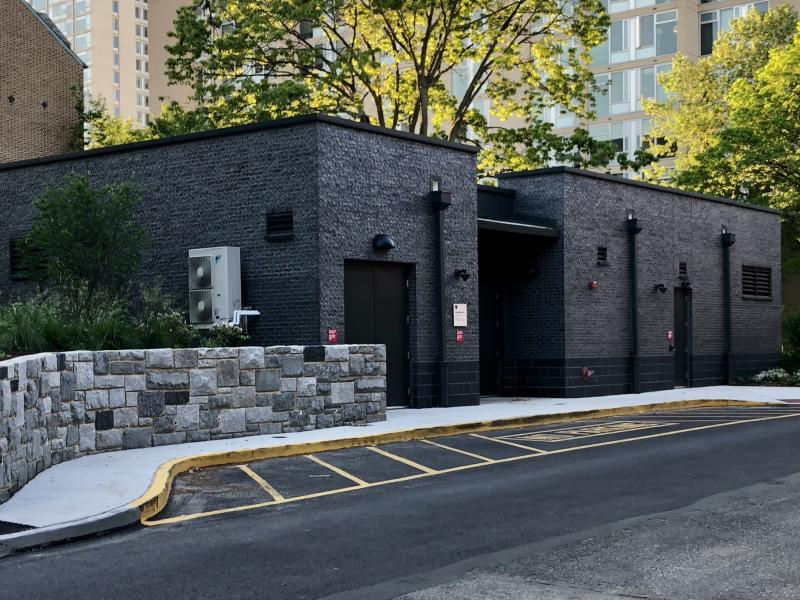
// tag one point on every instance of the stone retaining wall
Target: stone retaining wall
(59, 406)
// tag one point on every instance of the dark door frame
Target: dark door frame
(685, 296)
(406, 269)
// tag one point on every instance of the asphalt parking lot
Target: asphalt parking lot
(266, 484)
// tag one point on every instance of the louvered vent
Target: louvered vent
(199, 272)
(200, 307)
(756, 281)
(280, 226)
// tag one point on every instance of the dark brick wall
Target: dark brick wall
(370, 184)
(676, 228)
(344, 183)
(210, 192)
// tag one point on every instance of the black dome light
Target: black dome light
(383, 242)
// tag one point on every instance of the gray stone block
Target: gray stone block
(337, 353)
(258, 414)
(108, 440)
(292, 365)
(159, 359)
(288, 384)
(227, 373)
(307, 386)
(109, 381)
(135, 383)
(173, 398)
(167, 439)
(205, 353)
(242, 397)
(188, 417)
(126, 367)
(165, 424)
(326, 371)
(185, 358)
(167, 380)
(247, 377)
(116, 398)
(137, 437)
(371, 384)
(131, 355)
(251, 358)
(232, 420)
(285, 401)
(203, 382)
(268, 380)
(342, 392)
(151, 404)
(84, 375)
(126, 417)
(96, 399)
(67, 386)
(200, 435)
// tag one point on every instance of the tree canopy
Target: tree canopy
(698, 108)
(414, 64)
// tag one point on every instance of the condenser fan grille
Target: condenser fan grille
(200, 305)
(199, 272)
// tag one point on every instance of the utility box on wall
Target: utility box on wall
(215, 285)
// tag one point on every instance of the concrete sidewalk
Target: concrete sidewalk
(96, 493)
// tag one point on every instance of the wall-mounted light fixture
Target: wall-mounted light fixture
(728, 238)
(383, 242)
(441, 200)
(632, 222)
(660, 287)
(462, 274)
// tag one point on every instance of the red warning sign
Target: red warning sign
(333, 335)
(459, 336)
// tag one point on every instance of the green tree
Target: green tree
(85, 242)
(388, 62)
(698, 106)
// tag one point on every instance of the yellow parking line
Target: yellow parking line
(405, 461)
(337, 470)
(540, 454)
(507, 443)
(464, 452)
(263, 483)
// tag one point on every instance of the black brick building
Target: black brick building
(524, 253)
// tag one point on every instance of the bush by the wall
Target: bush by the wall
(790, 359)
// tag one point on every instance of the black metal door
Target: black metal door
(490, 333)
(375, 312)
(681, 337)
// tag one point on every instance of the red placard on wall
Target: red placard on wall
(459, 336)
(333, 335)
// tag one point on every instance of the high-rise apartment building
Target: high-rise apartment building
(112, 38)
(643, 38)
(162, 17)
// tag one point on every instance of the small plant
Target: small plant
(161, 324)
(776, 377)
(225, 335)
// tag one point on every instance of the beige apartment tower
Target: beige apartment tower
(112, 38)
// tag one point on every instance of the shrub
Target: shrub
(85, 242)
(790, 360)
(161, 324)
(776, 377)
(225, 335)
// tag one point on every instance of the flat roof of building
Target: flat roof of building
(239, 130)
(642, 184)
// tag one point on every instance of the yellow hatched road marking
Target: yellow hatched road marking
(405, 461)
(565, 435)
(263, 483)
(507, 443)
(540, 454)
(464, 452)
(337, 470)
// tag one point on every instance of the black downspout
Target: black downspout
(728, 240)
(441, 202)
(633, 230)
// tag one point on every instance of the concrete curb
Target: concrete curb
(156, 497)
(62, 532)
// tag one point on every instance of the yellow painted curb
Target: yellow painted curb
(155, 498)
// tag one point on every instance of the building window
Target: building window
(116, 59)
(82, 24)
(82, 42)
(756, 282)
(645, 36)
(115, 6)
(280, 226)
(666, 33)
(602, 256)
(141, 48)
(142, 100)
(714, 22)
(82, 7)
(116, 77)
(141, 13)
